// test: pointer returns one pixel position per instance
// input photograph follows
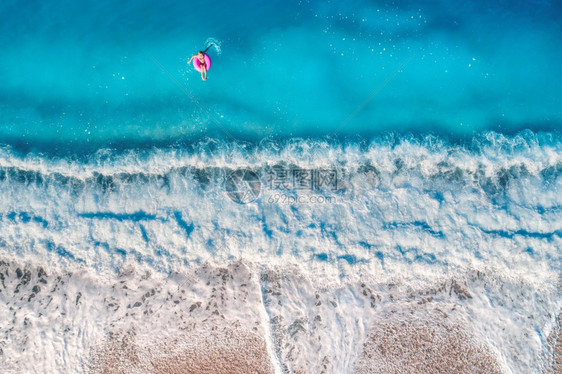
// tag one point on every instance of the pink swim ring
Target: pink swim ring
(197, 64)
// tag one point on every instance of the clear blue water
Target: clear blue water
(83, 76)
(440, 120)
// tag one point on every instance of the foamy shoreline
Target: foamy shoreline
(244, 319)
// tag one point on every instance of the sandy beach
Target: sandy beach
(233, 320)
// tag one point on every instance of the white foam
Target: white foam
(416, 213)
(216, 45)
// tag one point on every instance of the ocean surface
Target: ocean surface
(358, 187)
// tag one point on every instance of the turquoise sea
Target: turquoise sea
(408, 148)
(91, 75)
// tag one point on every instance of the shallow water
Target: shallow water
(353, 167)
(91, 75)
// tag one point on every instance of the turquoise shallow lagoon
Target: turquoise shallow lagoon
(92, 74)
(358, 187)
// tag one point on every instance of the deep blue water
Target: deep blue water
(88, 75)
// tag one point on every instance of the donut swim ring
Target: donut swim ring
(197, 64)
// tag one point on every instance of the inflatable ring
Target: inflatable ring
(197, 64)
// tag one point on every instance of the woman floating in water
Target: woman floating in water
(204, 62)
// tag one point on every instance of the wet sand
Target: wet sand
(417, 346)
(557, 350)
(212, 322)
(232, 352)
